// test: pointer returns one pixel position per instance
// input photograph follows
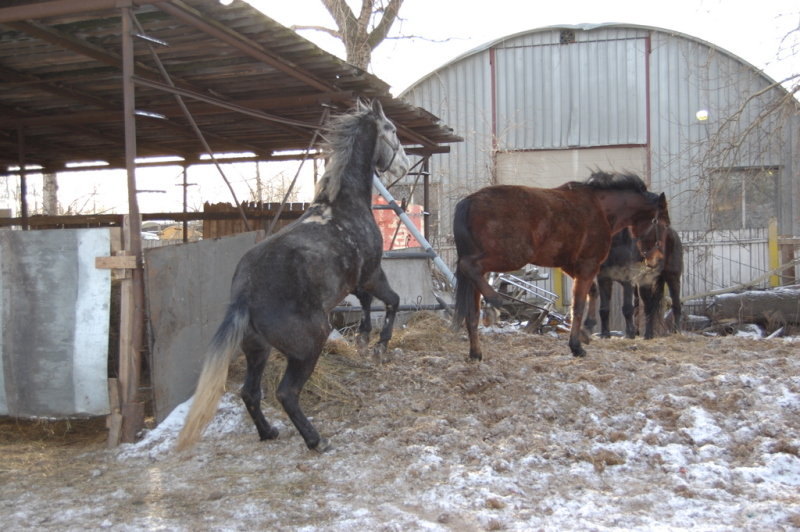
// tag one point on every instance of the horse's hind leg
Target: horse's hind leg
(471, 323)
(298, 371)
(605, 285)
(580, 289)
(472, 269)
(257, 353)
(379, 287)
(627, 310)
(590, 322)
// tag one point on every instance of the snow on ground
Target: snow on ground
(678, 433)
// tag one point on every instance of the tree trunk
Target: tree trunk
(49, 193)
(773, 308)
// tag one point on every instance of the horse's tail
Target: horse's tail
(211, 384)
(465, 308)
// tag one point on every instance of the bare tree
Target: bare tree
(361, 33)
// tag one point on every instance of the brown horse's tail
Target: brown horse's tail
(465, 308)
(211, 383)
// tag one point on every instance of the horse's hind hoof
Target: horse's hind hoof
(270, 434)
(578, 351)
(322, 446)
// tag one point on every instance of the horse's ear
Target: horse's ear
(662, 207)
(377, 108)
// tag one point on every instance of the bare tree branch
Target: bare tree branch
(359, 41)
(323, 29)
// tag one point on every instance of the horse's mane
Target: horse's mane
(340, 135)
(615, 181)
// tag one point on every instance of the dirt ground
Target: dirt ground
(680, 432)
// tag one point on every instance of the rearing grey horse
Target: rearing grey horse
(285, 287)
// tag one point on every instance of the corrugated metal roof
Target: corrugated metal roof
(61, 83)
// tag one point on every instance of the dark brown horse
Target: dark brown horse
(641, 266)
(501, 228)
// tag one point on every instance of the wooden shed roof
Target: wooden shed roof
(249, 83)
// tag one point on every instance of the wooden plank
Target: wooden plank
(121, 262)
(114, 419)
(129, 367)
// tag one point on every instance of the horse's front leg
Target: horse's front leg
(580, 289)
(674, 285)
(365, 327)
(652, 296)
(380, 288)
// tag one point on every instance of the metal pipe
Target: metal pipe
(400, 308)
(437, 261)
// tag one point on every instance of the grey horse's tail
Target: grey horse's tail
(211, 384)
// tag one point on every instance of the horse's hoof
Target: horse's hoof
(322, 446)
(496, 302)
(578, 352)
(379, 353)
(475, 357)
(271, 434)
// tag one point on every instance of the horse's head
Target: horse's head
(650, 234)
(390, 157)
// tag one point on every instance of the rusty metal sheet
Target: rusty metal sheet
(187, 291)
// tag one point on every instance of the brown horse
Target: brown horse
(501, 228)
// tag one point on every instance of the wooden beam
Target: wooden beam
(57, 8)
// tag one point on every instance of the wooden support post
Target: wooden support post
(774, 254)
(787, 246)
(132, 290)
(130, 356)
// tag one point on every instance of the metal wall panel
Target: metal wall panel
(583, 94)
(54, 321)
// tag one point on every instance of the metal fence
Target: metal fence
(713, 260)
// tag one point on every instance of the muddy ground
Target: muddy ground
(679, 432)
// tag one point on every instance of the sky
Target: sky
(435, 33)
(446, 29)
